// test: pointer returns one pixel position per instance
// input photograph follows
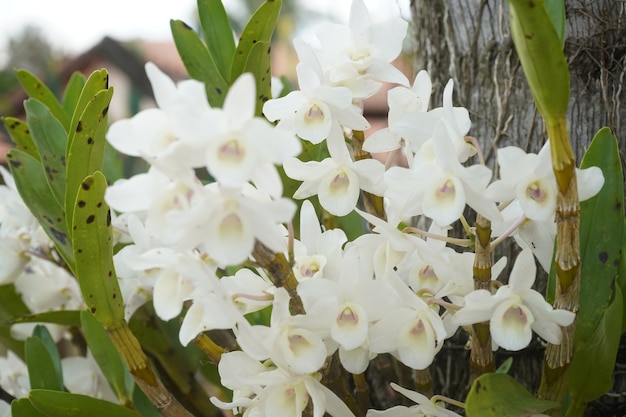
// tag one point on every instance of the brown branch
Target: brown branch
(481, 356)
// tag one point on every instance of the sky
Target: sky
(73, 26)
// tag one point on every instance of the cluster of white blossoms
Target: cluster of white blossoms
(381, 293)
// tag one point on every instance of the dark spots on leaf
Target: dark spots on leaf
(63, 160)
(81, 204)
(106, 81)
(79, 250)
(618, 205)
(529, 36)
(267, 71)
(90, 295)
(59, 236)
(59, 220)
(240, 52)
(218, 90)
(603, 257)
(37, 86)
(254, 41)
(13, 125)
(105, 111)
(479, 386)
(74, 228)
(110, 274)
(27, 131)
(531, 4)
(616, 262)
(48, 219)
(114, 296)
(15, 164)
(99, 204)
(87, 184)
(79, 127)
(186, 26)
(89, 141)
(90, 219)
(108, 217)
(269, 49)
(93, 310)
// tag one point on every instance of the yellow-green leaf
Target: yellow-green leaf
(541, 55)
(72, 92)
(499, 395)
(36, 89)
(258, 64)
(51, 140)
(34, 189)
(93, 251)
(199, 62)
(65, 404)
(105, 353)
(218, 34)
(259, 29)
(20, 135)
(85, 155)
(43, 362)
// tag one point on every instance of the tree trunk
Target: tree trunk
(469, 41)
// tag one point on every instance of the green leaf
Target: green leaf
(34, 189)
(506, 366)
(93, 251)
(259, 29)
(591, 372)
(65, 404)
(51, 140)
(11, 303)
(218, 34)
(73, 89)
(85, 155)
(601, 226)
(105, 353)
(97, 81)
(199, 62)
(621, 275)
(20, 135)
(43, 362)
(499, 395)
(22, 407)
(36, 89)
(44, 335)
(599, 321)
(258, 64)
(7, 340)
(62, 317)
(541, 55)
(556, 11)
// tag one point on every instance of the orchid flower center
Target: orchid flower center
(535, 192)
(231, 151)
(314, 115)
(299, 344)
(347, 317)
(340, 183)
(231, 226)
(446, 191)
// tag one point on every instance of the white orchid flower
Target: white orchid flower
(515, 310)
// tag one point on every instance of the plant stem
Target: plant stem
(481, 356)
(280, 272)
(129, 348)
(567, 261)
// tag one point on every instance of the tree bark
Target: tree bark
(469, 41)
